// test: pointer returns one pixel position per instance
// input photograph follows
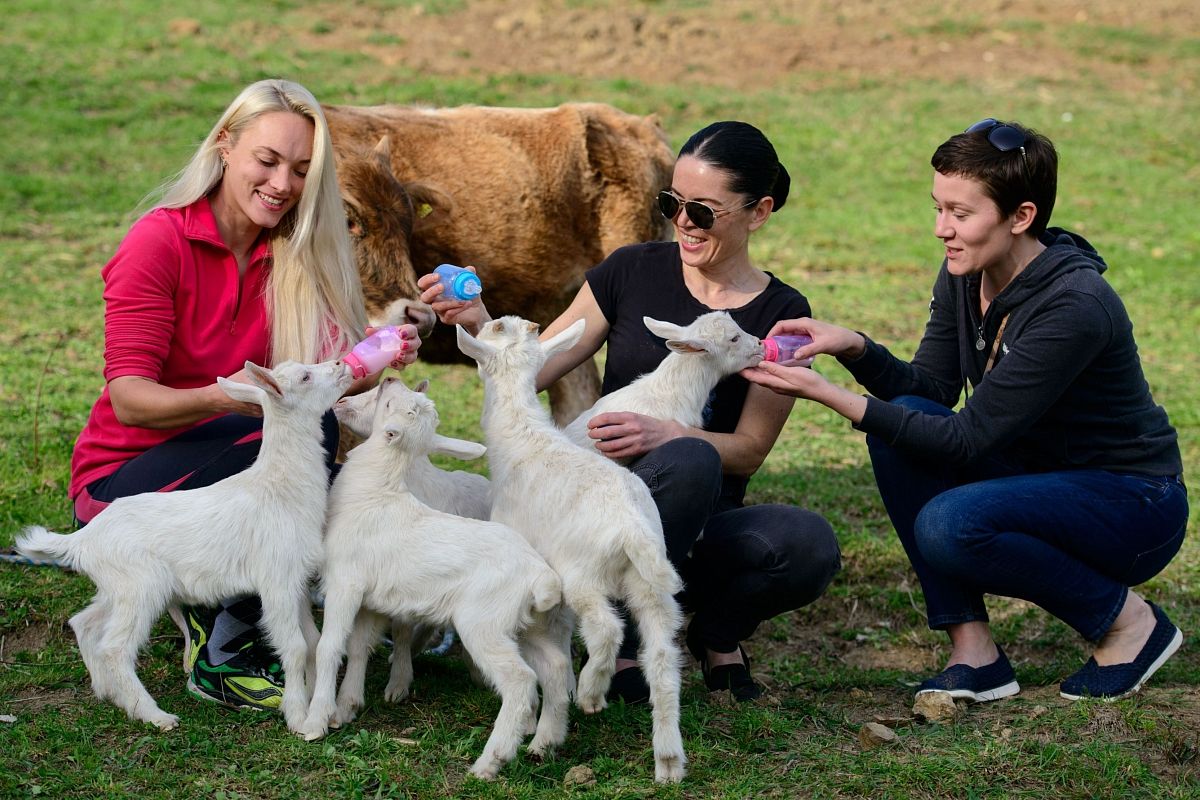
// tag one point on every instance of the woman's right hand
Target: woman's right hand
(224, 404)
(471, 314)
(826, 338)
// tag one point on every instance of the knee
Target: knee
(944, 534)
(809, 556)
(687, 461)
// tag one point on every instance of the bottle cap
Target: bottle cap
(770, 349)
(357, 368)
(466, 285)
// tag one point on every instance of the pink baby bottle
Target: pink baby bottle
(782, 348)
(375, 352)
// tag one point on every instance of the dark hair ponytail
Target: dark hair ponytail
(742, 150)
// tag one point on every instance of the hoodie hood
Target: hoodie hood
(1065, 252)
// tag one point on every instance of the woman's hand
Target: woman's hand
(471, 314)
(802, 382)
(409, 345)
(807, 384)
(826, 338)
(224, 404)
(623, 434)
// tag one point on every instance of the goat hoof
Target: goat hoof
(166, 722)
(486, 772)
(395, 695)
(669, 769)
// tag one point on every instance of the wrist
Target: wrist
(857, 348)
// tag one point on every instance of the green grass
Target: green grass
(101, 105)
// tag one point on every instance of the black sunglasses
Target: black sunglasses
(701, 215)
(1004, 138)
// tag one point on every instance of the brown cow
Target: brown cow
(531, 197)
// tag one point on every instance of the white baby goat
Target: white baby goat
(712, 347)
(255, 532)
(464, 494)
(390, 555)
(593, 521)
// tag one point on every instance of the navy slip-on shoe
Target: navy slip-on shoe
(1121, 680)
(977, 684)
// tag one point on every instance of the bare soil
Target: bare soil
(757, 44)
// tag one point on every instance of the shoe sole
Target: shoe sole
(1167, 652)
(1006, 690)
(197, 692)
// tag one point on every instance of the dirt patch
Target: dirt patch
(26, 639)
(757, 44)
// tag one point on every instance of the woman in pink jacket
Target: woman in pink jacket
(244, 258)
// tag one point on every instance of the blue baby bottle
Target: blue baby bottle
(458, 283)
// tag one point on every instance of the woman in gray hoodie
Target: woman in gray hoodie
(1059, 480)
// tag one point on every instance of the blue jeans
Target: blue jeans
(752, 563)
(1071, 541)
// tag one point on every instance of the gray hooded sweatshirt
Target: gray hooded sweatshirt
(1066, 390)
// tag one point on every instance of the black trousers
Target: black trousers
(740, 564)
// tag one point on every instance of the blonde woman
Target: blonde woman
(244, 257)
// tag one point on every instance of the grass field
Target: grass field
(104, 100)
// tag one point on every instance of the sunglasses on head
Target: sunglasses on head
(701, 215)
(1002, 137)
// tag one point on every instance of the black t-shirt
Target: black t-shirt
(647, 280)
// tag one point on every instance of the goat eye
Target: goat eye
(307, 377)
(736, 337)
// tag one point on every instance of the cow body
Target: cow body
(531, 197)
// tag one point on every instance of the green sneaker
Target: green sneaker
(250, 678)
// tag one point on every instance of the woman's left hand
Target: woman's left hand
(409, 347)
(623, 434)
(802, 382)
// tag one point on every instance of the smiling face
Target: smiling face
(727, 239)
(265, 171)
(976, 235)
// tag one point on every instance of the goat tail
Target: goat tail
(38, 544)
(649, 559)
(547, 590)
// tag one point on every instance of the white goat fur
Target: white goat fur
(387, 554)
(255, 532)
(702, 353)
(594, 522)
(464, 494)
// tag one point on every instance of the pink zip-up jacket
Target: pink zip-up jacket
(177, 312)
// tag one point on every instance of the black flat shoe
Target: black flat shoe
(734, 677)
(629, 686)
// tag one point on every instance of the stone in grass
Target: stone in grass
(935, 707)
(872, 735)
(579, 775)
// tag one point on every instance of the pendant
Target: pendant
(979, 342)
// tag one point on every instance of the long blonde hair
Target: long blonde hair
(314, 295)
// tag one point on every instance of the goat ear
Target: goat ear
(242, 392)
(422, 387)
(263, 379)
(471, 346)
(663, 330)
(456, 448)
(687, 346)
(565, 339)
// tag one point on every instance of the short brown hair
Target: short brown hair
(1028, 173)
